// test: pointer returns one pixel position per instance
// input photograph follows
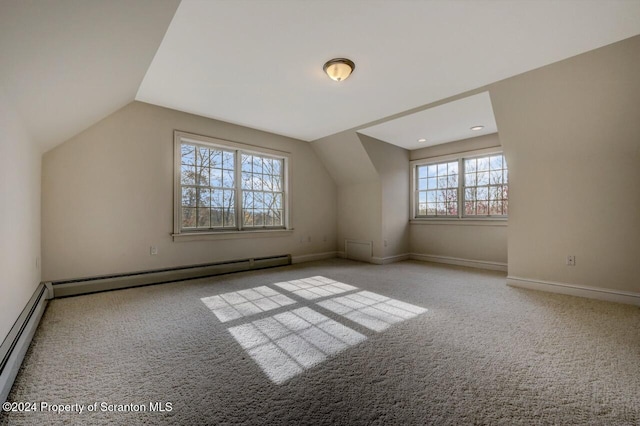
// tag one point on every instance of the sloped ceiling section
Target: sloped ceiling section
(66, 64)
(345, 159)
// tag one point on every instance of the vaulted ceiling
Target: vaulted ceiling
(68, 63)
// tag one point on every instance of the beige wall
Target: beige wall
(392, 164)
(359, 215)
(359, 189)
(374, 200)
(569, 131)
(345, 158)
(373, 190)
(19, 216)
(475, 242)
(108, 196)
(571, 134)
(457, 147)
(468, 240)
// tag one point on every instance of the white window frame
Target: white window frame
(461, 217)
(239, 231)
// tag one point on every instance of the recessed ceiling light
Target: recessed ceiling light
(422, 140)
(477, 128)
(339, 69)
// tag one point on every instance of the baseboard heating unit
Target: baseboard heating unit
(15, 345)
(114, 282)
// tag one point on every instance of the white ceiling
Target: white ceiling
(259, 63)
(66, 64)
(444, 123)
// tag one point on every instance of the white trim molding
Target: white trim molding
(314, 256)
(460, 222)
(390, 259)
(471, 263)
(231, 235)
(576, 290)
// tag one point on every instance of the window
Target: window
(438, 189)
(440, 192)
(262, 189)
(485, 186)
(226, 186)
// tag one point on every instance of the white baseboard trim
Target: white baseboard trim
(341, 254)
(390, 259)
(15, 345)
(314, 256)
(576, 290)
(480, 264)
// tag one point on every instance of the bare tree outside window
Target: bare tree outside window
(212, 190)
(438, 189)
(486, 190)
(208, 190)
(262, 191)
(466, 187)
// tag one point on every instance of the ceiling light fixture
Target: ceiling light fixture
(339, 69)
(477, 128)
(422, 140)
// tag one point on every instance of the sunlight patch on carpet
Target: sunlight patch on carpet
(372, 310)
(290, 342)
(244, 303)
(286, 344)
(315, 287)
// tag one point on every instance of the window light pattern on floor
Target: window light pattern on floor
(297, 338)
(286, 344)
(244, 303)
(315, 287)
(372, 310)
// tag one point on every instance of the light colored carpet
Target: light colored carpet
(337, 342)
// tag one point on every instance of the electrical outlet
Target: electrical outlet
(385, 243)
(153, 250)
(571, 260)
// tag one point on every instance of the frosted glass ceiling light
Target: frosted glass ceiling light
(339, 69)
(477, 128)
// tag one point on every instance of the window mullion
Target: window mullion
(417, 186)
(460, 188)
(238, 188)
(418, 194)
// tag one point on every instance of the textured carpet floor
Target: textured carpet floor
(409, 343)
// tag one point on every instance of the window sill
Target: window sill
(461, 222)
(231, 235)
